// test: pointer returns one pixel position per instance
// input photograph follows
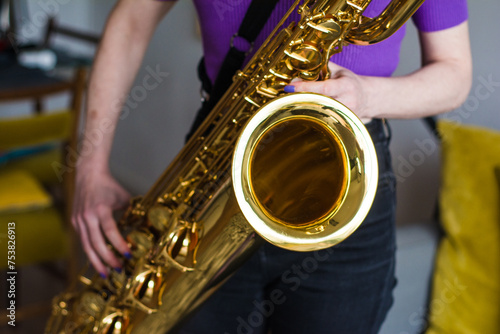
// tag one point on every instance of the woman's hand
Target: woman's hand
(97, 195)
(344, 86)
(440, 85)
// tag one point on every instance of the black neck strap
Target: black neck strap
(242, 42)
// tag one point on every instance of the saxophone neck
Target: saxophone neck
(377, 29)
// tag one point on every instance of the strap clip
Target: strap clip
(242, 44)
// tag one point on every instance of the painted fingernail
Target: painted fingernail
(289, 89)
(118, 270)
(103, 275)
(127, 255)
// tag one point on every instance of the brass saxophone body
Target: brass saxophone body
(298, 170)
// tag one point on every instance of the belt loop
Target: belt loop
(387, 129)
(204, 96)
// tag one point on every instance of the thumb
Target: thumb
(318, 87)
(325, 87)
(335, 69)
(122, 197)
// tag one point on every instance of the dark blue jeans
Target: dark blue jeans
(346, 289)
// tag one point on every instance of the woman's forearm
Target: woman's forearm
(440, 85)
(127, 34)
(434, 89)
(120, 54)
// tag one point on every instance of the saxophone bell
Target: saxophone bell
(304, 172)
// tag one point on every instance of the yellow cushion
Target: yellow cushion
(466, 285)
(40, 236)
(42, 166)
(35, 130)
(497, 174)
(19, 191)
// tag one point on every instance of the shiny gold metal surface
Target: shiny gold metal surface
(308, 177)
(297, 161)
(299, 170)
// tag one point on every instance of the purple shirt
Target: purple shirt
(220, 20)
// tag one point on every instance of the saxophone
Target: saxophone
(297, 170)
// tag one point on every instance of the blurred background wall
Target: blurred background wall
(418, 178)
(153, 123)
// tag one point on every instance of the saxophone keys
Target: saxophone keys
(249, 100)
(177, 247)
(143, 289)
(91, 304)
(116, 322)
(309, 76)
(358, 5)
(136, 207)
(160, 217)
(267, 91)
(326, 31)
(282, 74)
(179, 243)
(141, 242)
(304, 57)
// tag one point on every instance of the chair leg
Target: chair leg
(27, 312)
(74, 266)
(22, 313)
(38, 106)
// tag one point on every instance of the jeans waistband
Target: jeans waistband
(379, 130)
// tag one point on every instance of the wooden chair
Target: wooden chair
(53, 28)
(36, 185)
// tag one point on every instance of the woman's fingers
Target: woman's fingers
(93, 257)
(95, 199)
(329, 88)
(111, 231)
(343, 86)
(99, 244)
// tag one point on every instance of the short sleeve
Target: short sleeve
(435, 15)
